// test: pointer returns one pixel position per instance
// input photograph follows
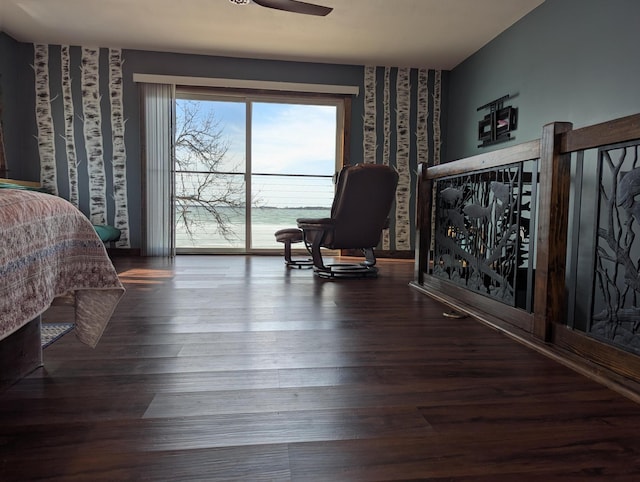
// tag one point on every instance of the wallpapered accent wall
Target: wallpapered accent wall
(405, 97)
(81, 131)
(78, 94)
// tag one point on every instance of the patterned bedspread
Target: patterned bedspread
(47, 249)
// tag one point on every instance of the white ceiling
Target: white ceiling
(435, 34)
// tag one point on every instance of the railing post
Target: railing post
(551, 233)
(423, 222)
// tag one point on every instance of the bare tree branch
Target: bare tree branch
(203, 195)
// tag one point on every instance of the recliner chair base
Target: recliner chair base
(346, 270)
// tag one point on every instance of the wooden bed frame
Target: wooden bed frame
(21, 183)
(21, 352)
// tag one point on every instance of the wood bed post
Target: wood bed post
(551, 233)
(4, 171)
(20, 353)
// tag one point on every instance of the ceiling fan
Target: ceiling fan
(289, 6)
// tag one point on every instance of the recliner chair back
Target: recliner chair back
(363, 199)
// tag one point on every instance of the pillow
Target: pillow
(107, 233)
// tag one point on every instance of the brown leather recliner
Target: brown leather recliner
(360, 210)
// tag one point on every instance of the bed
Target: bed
(48, 249)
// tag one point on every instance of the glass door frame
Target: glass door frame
(343, 114)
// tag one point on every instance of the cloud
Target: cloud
(294, 138)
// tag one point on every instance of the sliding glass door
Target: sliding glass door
(293, 159)
(210, 186)
(246, 167)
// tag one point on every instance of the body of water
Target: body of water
(265, 221)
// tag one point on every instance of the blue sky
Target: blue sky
(289, 138)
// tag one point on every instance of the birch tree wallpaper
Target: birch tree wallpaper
(405, 97)
(80, 131)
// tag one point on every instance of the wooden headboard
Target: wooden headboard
(21, 183)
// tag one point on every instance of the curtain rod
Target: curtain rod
(246, 84)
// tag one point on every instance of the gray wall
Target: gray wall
(568, 60)
(144, 62)
(16, 85)
(17, 82)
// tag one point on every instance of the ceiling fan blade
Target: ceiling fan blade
(295, 6)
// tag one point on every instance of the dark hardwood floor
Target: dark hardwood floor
(235, 368)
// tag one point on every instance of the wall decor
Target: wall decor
(498, 124)
(393, 96)
(79, 107)
(44, 119)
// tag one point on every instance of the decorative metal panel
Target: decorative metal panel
(482, 227)
(616, 287)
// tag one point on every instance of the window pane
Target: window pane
(279, 200)
(210, 210)
(210, 135)
(293, 138)
(210, 205)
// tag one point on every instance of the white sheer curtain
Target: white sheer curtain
(158, 106)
